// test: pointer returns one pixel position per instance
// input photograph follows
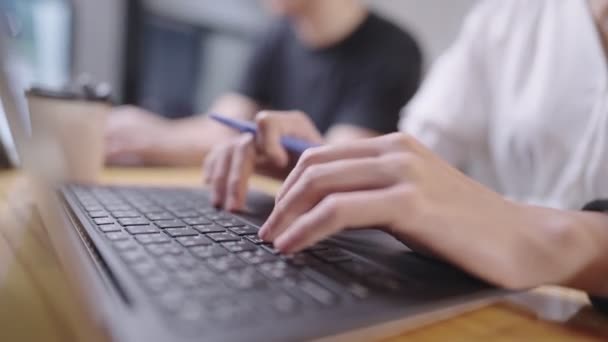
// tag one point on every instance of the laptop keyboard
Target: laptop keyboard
(199, 263)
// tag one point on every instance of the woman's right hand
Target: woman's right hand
(228, 167)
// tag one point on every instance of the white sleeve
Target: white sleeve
(449, 113)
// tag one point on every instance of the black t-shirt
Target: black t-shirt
(364, 80)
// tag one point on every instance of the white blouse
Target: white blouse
(520, 101)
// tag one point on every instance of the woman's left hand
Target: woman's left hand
(396, 183)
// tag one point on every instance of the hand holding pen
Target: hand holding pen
(273, 141)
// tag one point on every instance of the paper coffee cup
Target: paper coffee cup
(67, 142)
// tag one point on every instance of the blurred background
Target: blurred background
(172, 57)
(206, 43)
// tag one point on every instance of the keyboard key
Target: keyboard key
(156, 281)
(170, 224)
(188, 214)
(190, 241)
(134, 255)
(254, 238)
(239, 246)
(152, 209)
(197, 221)
(276, 270)
(108, 228)
(270, 249)
(244, 230)
(257, 257)
(125, 214)
(115, 236)
(179, 262)
(332, 255)
(159, 216)
(197, 278)
(103, 220)
(302, 259)
(385, 282)
(329, 275)
(170, 262)
(230, 309)
(190, 311)
(140, 221)
(284, 303)
(246, 278)
(150, 239)
(164, 249)
(118, 207)
(317, 292)
(98, 214)
(205, 252)
(136, 230)
(125, 245)
(208, 211)
(358, 268)
(176, 232)
(93, 207)
(209, 229)
(172, 301)
(318, 247)
(225, 263)
(179, 207)
(228, 223)
(223, 237)
(217, 216)
(144, 268)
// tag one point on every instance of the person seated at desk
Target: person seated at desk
(348, 69)
(520, 100)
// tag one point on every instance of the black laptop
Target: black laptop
(162, 264)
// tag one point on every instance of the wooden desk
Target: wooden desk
(36, 304)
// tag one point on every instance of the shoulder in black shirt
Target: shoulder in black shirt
(364, 80)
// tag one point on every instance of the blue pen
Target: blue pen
(294, 145)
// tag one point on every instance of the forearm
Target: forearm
(192, 138)
(190, 141)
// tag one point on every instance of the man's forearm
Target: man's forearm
(192, 138)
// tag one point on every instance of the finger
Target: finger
(209, 166)
(337, 212)
(321, 180)
(270, 129)
(325, 154)
(241, 168)
(396, 142)
(220, 174)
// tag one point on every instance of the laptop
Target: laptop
(163, 264)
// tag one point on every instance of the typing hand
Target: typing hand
(228, 167)
(395, 182)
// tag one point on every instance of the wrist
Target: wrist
(548, 247)
(582, 248)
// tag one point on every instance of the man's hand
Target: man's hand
(228, 167)
(135, 136)
(395, 182)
